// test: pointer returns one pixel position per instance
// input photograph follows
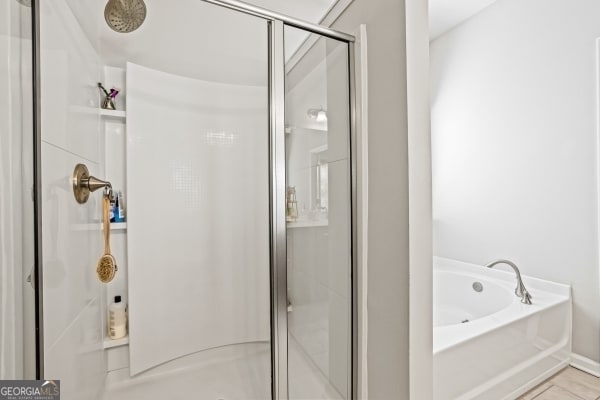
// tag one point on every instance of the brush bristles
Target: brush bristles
(106, 269)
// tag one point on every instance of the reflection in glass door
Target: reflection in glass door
(318, 215)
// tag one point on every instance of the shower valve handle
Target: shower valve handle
(84, 184)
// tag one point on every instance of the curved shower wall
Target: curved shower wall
(198, 221)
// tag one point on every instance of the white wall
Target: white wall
(388, 248)
(515, 146)
(420, 202)
(72, 241)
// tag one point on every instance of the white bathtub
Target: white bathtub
(487, 344)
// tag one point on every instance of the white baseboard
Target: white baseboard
(533, 383)
(585, 364)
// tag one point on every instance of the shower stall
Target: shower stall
(232, 143)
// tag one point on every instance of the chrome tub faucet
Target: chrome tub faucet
(520, 290)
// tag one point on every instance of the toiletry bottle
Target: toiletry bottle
(120, 208)
(117, 319)
(291, 210)
(112, 208)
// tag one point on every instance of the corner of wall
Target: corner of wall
(420, 200)
(585, 364)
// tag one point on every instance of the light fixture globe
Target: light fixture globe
(317, 114)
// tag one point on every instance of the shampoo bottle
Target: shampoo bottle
(112, 209)
(117, 319)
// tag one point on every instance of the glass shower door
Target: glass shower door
(189, 148)
(318, 215)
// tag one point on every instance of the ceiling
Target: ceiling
(446, 14)
(16, 20)
(190, 38)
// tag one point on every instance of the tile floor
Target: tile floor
(568, 384)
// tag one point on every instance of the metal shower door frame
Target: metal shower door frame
(37, 189)
(279, 315)
(278, 232)
(277, 183)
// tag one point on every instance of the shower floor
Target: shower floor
(240, 372)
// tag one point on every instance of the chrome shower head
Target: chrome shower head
(125, 16)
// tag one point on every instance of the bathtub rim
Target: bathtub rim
(448, 264)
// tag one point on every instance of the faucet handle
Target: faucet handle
(526, 298)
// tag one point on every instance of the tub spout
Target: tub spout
(520, 290)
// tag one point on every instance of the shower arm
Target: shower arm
(84, 184)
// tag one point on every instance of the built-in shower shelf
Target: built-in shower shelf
(307, 224)
(108, 343)
(105, 114)
(113, 114)
(114, 226)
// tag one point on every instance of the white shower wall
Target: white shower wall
(198, 215)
